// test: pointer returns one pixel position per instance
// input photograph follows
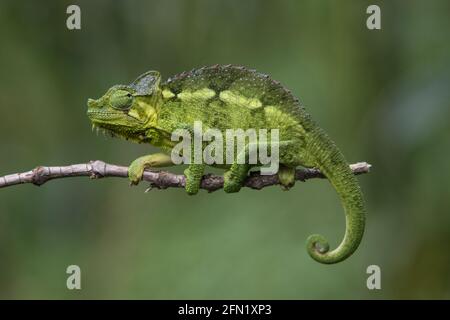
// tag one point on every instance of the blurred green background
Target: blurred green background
(383, 96)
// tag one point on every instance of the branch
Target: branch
(158, 179)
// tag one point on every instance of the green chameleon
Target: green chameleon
(230, 97)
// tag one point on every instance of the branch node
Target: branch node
(40, 176)
(98, 169)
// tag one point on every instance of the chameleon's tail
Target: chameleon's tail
(333, 165)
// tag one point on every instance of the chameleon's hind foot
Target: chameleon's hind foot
(286, 175)
(230, 183)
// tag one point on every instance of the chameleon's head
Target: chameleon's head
(127, 110)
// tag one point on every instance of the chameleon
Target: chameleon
(225, 97)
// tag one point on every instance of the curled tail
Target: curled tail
(333, 165)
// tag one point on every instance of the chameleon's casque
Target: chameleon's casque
(231, 97)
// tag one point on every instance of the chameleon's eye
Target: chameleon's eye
(121, 99)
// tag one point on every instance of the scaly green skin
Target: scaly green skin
(231, 97)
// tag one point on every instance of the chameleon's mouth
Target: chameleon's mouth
(102, 115)
(114, 124)
(108, 116)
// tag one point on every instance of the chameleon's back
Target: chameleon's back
(238, 97)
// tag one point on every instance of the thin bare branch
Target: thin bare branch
(157, 179)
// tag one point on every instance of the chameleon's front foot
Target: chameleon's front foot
(137, 167)
(194, 174)
(136, 171)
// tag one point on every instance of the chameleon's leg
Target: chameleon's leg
(289, 159)
(137, 167)
(234, 178)
(286, 175)
(194, 174)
